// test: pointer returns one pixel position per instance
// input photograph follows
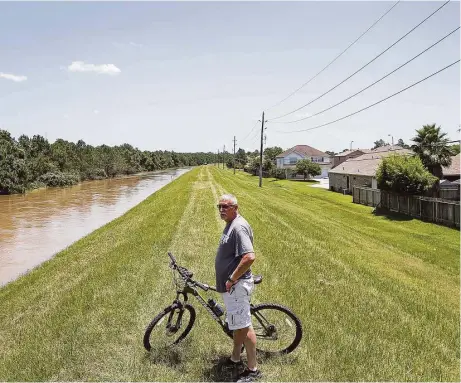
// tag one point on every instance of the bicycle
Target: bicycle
(270, 330)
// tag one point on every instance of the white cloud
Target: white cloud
(80, 66)
(96, 111)
(136, 45)
(12, 77)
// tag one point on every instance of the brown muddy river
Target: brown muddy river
(35, 226)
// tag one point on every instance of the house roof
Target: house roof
(347, 152)
(454, 168)
(386, 148)
(366, 164)
(304, 151)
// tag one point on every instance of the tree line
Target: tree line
(31, 162)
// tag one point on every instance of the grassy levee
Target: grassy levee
(378, 299)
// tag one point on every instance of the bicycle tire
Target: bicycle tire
(299, 331)
(166, 311)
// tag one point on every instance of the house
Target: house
(347, 155)
(361, 171)
(452, 172)
(289, 158)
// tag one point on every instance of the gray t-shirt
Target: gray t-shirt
(235, 242)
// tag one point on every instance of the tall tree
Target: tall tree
(240, 158)
(13, 169)
(431, 145)
(379, 144)
(272, 152)
(308, 168)
(402, 144)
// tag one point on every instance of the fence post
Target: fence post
(420, 209)
(454, 215)
(436, 211)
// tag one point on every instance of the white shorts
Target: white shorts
(237, 302)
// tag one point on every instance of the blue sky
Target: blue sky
(189, 76)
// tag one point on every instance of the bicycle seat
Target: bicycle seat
(257, 279)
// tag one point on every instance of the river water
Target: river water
(37, 225)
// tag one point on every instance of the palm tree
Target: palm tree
(432, 147)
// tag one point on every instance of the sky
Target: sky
(189, 76)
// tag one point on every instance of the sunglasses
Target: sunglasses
(224, 207)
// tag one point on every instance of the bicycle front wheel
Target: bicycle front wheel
(278, 330)
(169, 327)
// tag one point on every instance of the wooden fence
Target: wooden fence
(445, 212)
(450, 193)
(366, 196)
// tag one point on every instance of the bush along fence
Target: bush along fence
(442, 211)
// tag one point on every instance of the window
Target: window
(290, 161)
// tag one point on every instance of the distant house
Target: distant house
(289, 158)
(361, 171)
(452, 173)
(347, 155)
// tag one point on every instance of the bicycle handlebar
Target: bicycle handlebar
(187, 275)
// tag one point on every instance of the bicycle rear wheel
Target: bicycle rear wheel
(278, 330)
(169, 327)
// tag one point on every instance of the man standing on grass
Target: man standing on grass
(234, 281)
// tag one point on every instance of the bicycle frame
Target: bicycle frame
(191, 290)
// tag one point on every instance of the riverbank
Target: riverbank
(378, 299)
(120, 176)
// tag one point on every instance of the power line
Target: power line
(337, 57)
(363, 67)
(376, 103)
(369, 86)
(254, 126)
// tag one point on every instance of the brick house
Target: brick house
(361, 171)
(289, 158)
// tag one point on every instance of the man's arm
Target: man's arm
(245, 263)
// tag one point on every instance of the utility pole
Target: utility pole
(223, 156)
(234, 153)
(261, 154)
(392, 138)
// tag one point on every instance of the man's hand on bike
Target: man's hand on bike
(229, 285)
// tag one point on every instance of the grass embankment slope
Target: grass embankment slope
(379, 299)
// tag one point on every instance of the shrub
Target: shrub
(404, 174)
(59, 179)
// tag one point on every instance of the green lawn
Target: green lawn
(378, 298)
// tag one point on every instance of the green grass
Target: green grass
(379, 299)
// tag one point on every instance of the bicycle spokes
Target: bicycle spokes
(169, 328)
(274, 329)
